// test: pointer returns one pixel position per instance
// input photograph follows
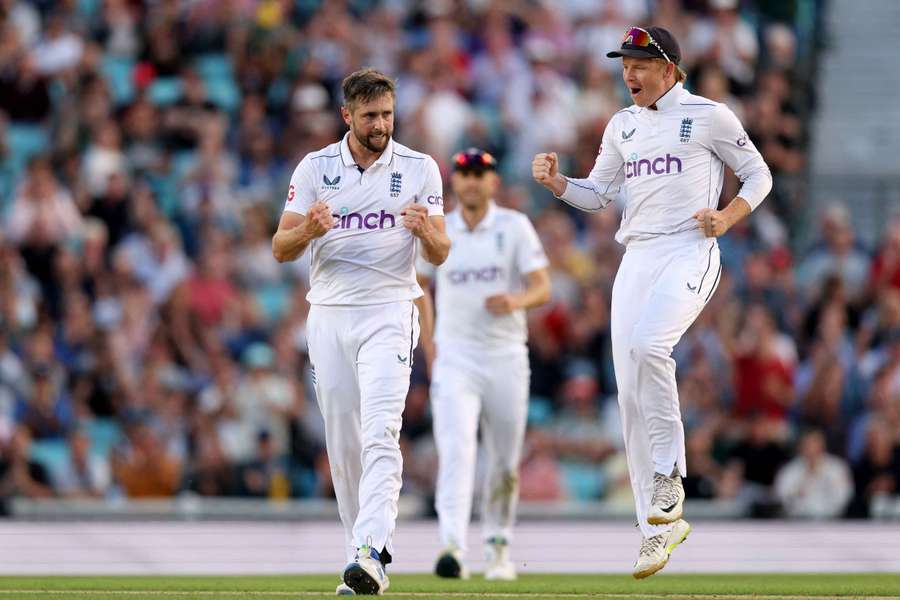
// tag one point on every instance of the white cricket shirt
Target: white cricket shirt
(491, 259)
(670, 163)
(368, 257)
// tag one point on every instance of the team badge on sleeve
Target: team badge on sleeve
(292, 191)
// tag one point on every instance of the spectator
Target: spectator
(814, 485)
(20, 476)
(878, 473)
(143, 467)
(85, 474)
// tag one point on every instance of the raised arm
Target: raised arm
(590, 194)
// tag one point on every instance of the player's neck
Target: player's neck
(363, 157)
(473, 216)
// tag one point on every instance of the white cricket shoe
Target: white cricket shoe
(344, 590)
(365, 576)
(450, 565)
(667, 502)
(655, 551)
(498, 567)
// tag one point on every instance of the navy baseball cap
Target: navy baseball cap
(653, 42)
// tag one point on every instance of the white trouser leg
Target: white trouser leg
(455, 407)
(505, 411)
(388, 335)
(332, 354)
(660, 290)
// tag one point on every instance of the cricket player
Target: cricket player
(361, 205)
(667, 152)
(496, 271)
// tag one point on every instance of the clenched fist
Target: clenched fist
(318, 220)
(714, 223)
(501, 304)
(545, 167)
(415, 218)
(545, 170)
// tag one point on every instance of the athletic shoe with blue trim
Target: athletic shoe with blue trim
(365, 575)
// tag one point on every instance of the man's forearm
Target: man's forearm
(290, 244)
(534, 295)
(736, 210)
(558, 185)
(435, 246)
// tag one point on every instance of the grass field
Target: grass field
(425, 587)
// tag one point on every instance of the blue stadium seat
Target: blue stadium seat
(51, 454)
(165, 90)
(118, 72)
(583, 481)
(217, 73)
(26, 140)
(104, 434)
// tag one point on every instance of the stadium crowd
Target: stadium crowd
(151, 346)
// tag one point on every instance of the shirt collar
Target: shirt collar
(386, 157)
(670, 99)
(486, 222)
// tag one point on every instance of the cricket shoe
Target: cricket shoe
(655, 550)
(450, 565)
(498, 567)
(667, 502)
(365, 575)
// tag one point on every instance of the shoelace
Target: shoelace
(665, 490)
(650, 545)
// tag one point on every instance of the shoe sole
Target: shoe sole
(448, 567)
(653, 569)
(666, 518)
(358, 580)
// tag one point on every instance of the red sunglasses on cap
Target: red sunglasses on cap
(474, 159)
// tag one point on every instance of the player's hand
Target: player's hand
(501, 304)
(318, 220)
(714, 223)
(415, 218)
(545, 167)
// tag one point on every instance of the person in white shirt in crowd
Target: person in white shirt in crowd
(815, 485)
(496, 271)
(667, 152)
(362, 206)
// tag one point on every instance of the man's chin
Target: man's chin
(377, 144)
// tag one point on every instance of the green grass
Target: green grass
(426, 587)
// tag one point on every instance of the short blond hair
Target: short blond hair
(680, 75)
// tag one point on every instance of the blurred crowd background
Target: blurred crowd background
(150, 346)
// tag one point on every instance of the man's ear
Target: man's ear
(345, 114)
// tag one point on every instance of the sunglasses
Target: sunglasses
(637, 36)
(474, 159)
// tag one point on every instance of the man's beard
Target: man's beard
(370, 142)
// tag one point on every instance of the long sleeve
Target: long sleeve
(730, 142)
(603, 183)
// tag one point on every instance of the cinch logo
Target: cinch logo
(355, 220)
(435, 200)
(482, 275)
(652, 166)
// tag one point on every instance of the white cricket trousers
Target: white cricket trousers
(469, 388)
(361, 358)
(660, 288)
